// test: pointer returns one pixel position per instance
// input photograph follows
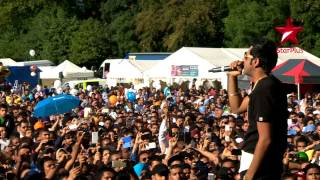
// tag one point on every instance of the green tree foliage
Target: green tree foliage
(251, 19)
(118, 16)
(87, 32)
(169, 25)
(307, 13)
(88, 43)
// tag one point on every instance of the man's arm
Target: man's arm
(264, 141)
(237, 104)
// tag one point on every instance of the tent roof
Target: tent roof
(183, 56)
(223, 56)
(36, 62)
(69, 70)
(124, 69)
(8, 62)
(144, 65)
(67, 65)
(148, 56)
(218, 56)
(110, 61)
(299, 71)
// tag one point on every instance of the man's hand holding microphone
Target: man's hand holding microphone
(234, 69)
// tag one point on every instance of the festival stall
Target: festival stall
(69, 71)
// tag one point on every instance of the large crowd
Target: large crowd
(182, 133)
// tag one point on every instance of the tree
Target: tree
(251, 19)
(87, 45)
(118, 18)
(307, 14)
(169, 25)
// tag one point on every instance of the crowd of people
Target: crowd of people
(180, 134)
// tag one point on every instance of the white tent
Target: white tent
(181, 57)
(207, 58)
(124, 70)
(69, 71)
(8, 62)
(200, 57)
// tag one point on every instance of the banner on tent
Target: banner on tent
(184, 70)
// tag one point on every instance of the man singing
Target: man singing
(266, 139)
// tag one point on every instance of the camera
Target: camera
(236, 152)
(145, 136)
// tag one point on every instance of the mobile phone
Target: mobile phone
(76, 164)
(209, 135)
(211, 176)
(118, 164)
(145, 136)
(87, 111)
(128, 123)
(317, 147)
(151, 145)
(186, 129)
(101, 123)
(227, 128)
(127, 142)
(105, 110)
(227, 138)
(236, 152)
(73, 127)
(94, 137)
(10, 175)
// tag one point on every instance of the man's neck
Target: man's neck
(259, 74)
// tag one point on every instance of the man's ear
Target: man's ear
(256, 62)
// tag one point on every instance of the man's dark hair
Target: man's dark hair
(302, 139)
(155, 158)
(266, 51)
(42, 161)
(103, 169)
(161, 170)
(4, 106)
(228, 160)
(23, 121)
(176, 166)
(310, 166)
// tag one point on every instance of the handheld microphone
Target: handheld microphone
(221, 69)
(224, 69)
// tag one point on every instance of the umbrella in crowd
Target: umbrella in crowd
(297, 71)
(56, 105)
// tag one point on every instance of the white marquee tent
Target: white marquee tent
(123, 69)
(8, 62)
(204, 58)
(207, 58)
(69, 71)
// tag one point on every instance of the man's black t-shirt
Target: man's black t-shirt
(268, 104)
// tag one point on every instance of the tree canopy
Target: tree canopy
(87, 32)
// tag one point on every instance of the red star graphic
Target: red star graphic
(289, 32)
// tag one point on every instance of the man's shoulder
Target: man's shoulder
(270, 84)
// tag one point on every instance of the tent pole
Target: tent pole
(298, 86)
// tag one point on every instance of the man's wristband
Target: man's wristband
(234, 94)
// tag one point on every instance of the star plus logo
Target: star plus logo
(289, 32)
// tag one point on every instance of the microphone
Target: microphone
(221, 69)
(224, 69)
